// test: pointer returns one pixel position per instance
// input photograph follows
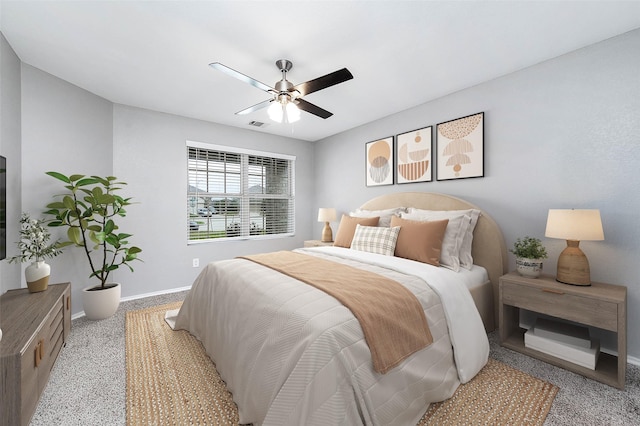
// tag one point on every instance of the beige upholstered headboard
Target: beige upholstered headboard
(488, 250)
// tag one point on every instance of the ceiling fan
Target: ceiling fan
(286, 101)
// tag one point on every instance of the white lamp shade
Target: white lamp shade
(292, 113)
(275, 111)
(326, 214)
(576, 225)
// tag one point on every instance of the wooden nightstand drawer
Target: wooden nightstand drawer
(558, 303)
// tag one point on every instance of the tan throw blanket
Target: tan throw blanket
(391, 317)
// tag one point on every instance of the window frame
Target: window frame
(244, 196)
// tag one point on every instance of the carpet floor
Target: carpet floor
(88, 383)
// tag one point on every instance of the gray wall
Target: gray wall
(150, 154)
(64, 129)
(11, 149)
(561, 134)
(70, 130)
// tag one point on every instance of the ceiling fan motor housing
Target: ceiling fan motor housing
(284, 86)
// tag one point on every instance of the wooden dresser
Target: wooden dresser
(34, 328)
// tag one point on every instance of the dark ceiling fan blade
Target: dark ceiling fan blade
(233, 73)
(323, 82)
(313, 109)
(255, 107)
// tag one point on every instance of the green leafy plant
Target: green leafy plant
(88, 210)
(529, 248)
(34, 241)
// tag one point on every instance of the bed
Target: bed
(291, 354)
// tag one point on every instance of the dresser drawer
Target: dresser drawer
(551, 301)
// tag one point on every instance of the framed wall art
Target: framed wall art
(413, 156)
(460, 148)
(379, 162)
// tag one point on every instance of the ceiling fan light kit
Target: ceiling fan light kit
(283, 111)
(286, 103)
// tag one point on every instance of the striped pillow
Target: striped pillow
(374, 239)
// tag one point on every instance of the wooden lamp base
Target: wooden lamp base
(573, 266)
(327, 234)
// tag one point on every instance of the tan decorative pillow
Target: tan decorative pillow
(453, 237)
(384, 215)
(421, 241)
(464, 253)
(347, 228)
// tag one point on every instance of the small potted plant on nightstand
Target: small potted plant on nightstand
(529, 254)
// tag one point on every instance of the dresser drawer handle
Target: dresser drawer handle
(37, 358)
(39, 353)
(550, 290)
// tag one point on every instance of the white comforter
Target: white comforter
(292, 355)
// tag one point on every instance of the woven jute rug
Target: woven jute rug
(172, 381)
(170, 378)
(498, 395)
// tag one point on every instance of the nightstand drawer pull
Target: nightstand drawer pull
(551, 290)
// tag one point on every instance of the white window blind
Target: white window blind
(239, 194)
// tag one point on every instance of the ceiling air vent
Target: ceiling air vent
(256, 123)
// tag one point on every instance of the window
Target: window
(239, 194)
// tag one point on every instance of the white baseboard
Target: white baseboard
(140, 296)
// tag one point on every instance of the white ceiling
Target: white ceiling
(155, 54)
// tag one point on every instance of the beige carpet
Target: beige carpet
(171, 380)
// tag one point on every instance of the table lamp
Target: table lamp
(574, 226)
(326, 215)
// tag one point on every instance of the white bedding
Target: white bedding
(292, 355)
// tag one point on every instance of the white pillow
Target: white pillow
(384, 215)
(453, 236)
(375, 239)
(466, 259)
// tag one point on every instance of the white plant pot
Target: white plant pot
(37, 276)
(531, 268)
(101, 304)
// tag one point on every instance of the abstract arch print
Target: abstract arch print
(461, 148)
(379, 163)
(414, 156)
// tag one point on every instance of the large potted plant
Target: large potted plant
(89, 209)
(34, 245)
(529, 254)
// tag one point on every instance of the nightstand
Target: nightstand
(600, 305)
(317, 243)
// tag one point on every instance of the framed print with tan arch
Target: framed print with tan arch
(460, 148)
(413, 156)
(379, 162)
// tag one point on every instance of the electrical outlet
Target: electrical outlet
(196, 262)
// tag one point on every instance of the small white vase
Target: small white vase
(531, 268)
(99, 303)
(37, 276)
